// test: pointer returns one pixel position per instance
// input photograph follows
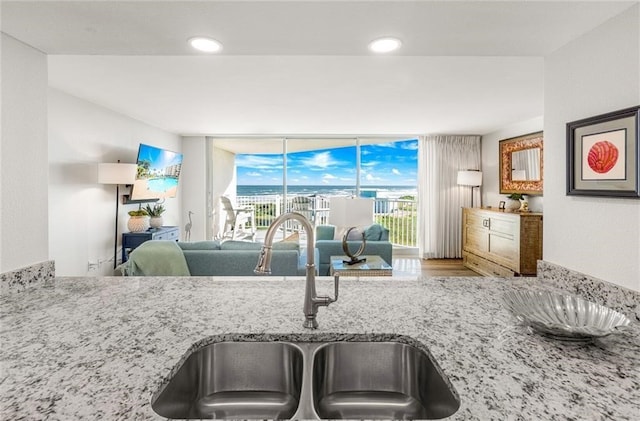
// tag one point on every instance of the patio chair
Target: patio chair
(301, 205)
(237, 219)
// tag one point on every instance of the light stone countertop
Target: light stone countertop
(98, 348)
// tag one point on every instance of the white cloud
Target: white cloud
(258, 162)
(329, 177)
(411, 146)
(254, 174)
(395, 171)
(320, 160)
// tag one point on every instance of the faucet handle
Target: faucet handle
(325, 300)
(336, 282)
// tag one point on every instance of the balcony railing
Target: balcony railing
(398, 215)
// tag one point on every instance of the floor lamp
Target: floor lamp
(471, 178)
(117, 174)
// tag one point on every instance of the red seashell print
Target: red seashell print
(602, 156)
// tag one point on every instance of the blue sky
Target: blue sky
(159, 158)
(390, 164)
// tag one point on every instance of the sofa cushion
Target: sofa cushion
(200, 245)
(240, 245)
(325, 232)
(246, 245)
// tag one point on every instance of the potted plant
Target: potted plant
(515, 200)
(155, 212)
(138, 220)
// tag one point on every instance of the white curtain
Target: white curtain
(441, 199)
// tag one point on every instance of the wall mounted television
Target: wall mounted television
(158, 173)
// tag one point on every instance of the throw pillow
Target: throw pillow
(354, 235)
(373, 232)
(294, 238)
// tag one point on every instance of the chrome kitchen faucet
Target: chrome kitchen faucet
(311, 300)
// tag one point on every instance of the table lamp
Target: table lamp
(471, 178)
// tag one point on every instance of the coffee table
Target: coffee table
(373, 266)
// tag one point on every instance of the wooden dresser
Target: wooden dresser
(501, 243)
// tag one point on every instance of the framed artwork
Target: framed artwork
(603, 155)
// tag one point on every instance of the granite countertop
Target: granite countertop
(98, 348)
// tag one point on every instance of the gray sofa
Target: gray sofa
(377, 239)
(239, 258)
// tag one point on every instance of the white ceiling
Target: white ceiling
(302, 67)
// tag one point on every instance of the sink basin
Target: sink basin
(308, 380)
(379, 380)
(235, 380)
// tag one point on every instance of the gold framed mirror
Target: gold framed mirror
(521, 164)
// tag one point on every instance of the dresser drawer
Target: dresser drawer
(484, 266)
(173, 235)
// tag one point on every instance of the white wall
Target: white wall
(490, 162)
(23, 162)
(194, 185)
(594, 74)
(81, 211)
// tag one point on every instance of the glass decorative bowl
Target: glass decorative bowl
(564, 317)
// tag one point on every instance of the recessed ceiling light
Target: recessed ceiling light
(204, 44)
(385, 45)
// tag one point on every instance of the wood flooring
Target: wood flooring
(413, 266)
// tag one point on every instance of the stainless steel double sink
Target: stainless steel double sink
(307, 380)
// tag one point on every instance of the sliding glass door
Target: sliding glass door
(276, 175)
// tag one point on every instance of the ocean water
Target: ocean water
(392, 192)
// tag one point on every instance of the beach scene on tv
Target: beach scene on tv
(158, 173)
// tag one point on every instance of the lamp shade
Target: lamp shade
(117, 173)
(470, 178)
(347, 212)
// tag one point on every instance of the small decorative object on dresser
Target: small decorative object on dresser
(513, 204)
(138, 220)
(353, 257)
(155, 213)
(502, 244)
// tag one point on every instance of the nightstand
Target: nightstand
(131, 240)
